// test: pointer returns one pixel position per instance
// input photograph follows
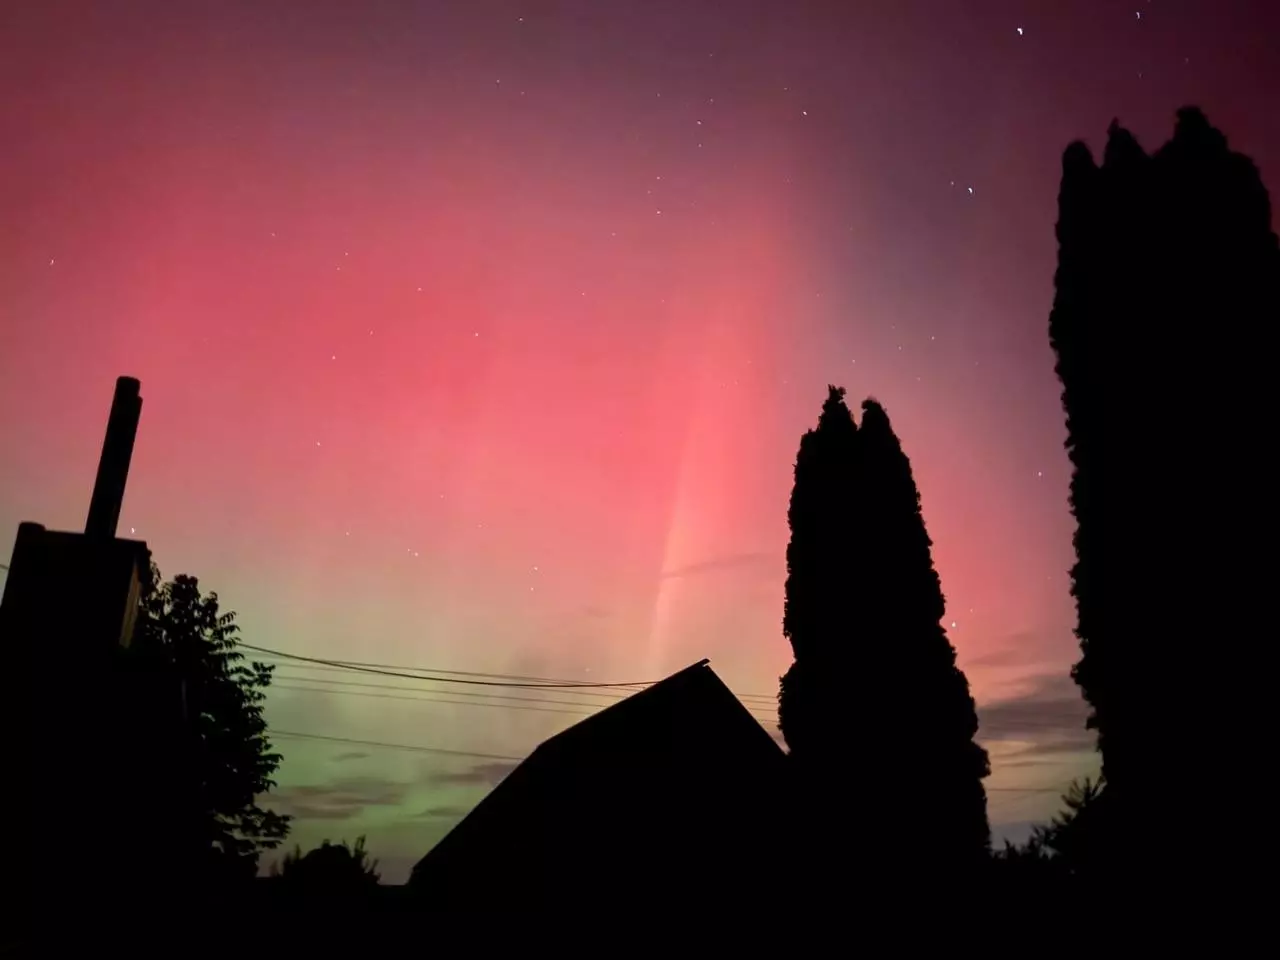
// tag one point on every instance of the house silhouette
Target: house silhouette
(659, 804)
(95, 733)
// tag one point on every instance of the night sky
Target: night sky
(481, 336)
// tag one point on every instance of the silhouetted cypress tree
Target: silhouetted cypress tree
(820, 574)
(878, 717)
(924, 703)
(1169, 277)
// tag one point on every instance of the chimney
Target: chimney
(113, 465)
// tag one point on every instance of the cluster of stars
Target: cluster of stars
(700, 126)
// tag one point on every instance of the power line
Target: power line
(523, 703)
(591, 705)
(456, 703)
(396, 746)
(1026, 789)
(616, 690)
(410, 676)
(452, 693)
(457, 673)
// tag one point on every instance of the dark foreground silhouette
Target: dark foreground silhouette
(1168, 287)
(135, 802)
(877, 716)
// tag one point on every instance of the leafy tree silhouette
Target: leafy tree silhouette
(229, 753)
(863, 605)
(329, 868)
(1151, 249)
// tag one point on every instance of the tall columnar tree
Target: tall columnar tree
(817, 618)
(876, 713)
(1168, 281)
(925, 704)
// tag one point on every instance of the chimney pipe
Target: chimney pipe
(113, 465)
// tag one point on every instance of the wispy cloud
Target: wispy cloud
(445, 811)
(1024, 648)
(480, 774)
(339, 799)
(737, 561)
(1049, 717)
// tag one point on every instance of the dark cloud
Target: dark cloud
(445, 811)
(480, 774)
(1022, 649)
(353, 755)
(759, 561)
(339, 800)
(1050, 717)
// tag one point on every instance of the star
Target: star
(1019, 31)
(971, 191)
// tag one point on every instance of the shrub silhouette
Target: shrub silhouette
(329, 868)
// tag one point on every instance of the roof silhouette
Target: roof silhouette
(675, 788)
